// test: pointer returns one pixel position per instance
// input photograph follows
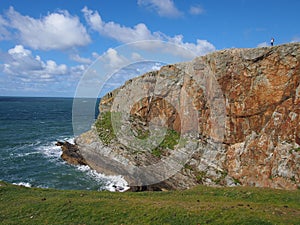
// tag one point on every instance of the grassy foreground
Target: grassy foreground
(200, 205)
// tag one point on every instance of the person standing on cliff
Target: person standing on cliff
(272, 41)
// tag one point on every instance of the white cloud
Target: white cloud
(51, 68)
(19, 50)
(157, 66)
(196, 10)
(80, 59)
(23, 73)
(20, 62)
(77, 71)
(164, 8)
(202, 47)
(116, 31)
(58, 30)
(263, 44)
(4, 33)
(113, 59)
(140, 33)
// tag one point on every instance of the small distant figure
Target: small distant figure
(272, 41)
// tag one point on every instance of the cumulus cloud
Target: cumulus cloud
(140, 32)
(79, 59)
(58, 30)
(20, 62)
(164, 8)
(117, 31)
(19, 50)
(113, 59)
(77, 71)
(196, 10)
(201, 47)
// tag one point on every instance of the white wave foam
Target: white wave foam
(51, 151)
(117, 183)
(25, 184)
(70, 140)
(112, 183)
(22, 154)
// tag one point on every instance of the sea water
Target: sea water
(29, 129)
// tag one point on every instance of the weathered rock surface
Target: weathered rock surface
(71, 154)
(237, 112)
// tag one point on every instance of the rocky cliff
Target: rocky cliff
(227, 118)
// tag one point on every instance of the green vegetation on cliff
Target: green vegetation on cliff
(104, 128)
(169, 142)
(200, 205)
(106, 133)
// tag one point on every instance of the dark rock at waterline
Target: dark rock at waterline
(71, 153)
(162, 186)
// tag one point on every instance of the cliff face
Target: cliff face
(235, 113)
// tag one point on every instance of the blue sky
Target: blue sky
(46, 46)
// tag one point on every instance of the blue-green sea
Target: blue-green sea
(29, 129)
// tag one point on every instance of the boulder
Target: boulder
(71, 153)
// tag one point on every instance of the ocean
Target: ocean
(29, 129)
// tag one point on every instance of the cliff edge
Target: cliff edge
(228, 118)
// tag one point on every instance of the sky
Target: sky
(47, 47)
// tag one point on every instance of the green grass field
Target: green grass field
(200, 205)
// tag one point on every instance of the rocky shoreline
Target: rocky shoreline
(72, 155)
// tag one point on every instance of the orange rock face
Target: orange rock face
(263, 116)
